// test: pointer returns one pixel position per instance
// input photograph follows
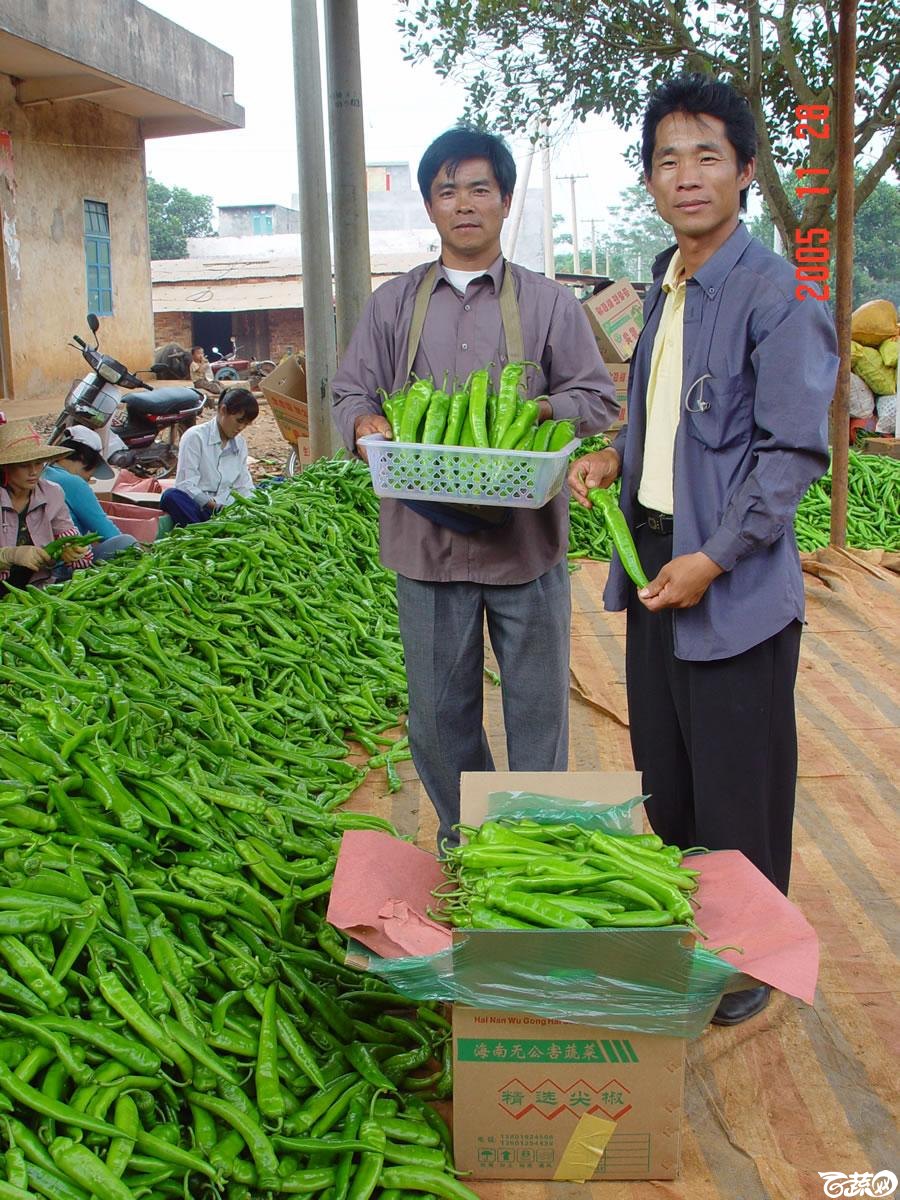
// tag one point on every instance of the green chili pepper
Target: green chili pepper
(479, 383)
(524, 419)
(79, 541)
(414, 409)
(620, 534)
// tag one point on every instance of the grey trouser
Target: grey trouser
(442, 627)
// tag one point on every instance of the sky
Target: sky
(404, 107)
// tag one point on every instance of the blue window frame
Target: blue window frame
(97, 259)
(262, 223)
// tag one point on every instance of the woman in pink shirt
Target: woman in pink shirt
(33, 511)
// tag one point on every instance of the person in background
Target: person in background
(728, 398)
(33, 510)
(473, 309)
(212, 461)
(73, 474)
(202, 374)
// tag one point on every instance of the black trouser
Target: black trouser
(716, 742)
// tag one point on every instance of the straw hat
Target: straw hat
(21, 443)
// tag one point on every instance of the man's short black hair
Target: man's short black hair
(79, 452)
(698, 94)
(240, 402)
(457, 145)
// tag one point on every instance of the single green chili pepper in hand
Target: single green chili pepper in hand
(620, 534)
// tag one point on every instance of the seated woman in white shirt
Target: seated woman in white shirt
(212, 461)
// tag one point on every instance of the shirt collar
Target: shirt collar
(494, 272)
(215, 437)
(717, 267)
(674, 276)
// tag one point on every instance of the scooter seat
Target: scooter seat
(163, 400)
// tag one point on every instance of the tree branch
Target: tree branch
(784, 26)
(876, 172)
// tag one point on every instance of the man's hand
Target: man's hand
(30, 557)
(545, 411)
(681, 583)
(597, 470)
(370, 423)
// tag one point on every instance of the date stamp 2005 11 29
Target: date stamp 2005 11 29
(812, 249)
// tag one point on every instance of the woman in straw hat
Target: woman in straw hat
(33, 511)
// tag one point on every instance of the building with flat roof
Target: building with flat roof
(81, 89)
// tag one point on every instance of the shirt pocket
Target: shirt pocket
(721, 415)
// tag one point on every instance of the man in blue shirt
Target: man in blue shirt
(728, 402)
(85, 462)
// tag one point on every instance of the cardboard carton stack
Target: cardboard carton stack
(616, 317)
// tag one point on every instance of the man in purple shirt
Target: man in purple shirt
(728, 420)
(450, 576)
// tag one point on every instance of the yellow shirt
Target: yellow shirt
(664, 394)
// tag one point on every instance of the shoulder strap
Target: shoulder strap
(512, 321)
(509, 313)
(423, 295)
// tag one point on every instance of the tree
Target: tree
(174, 215)
(523, 59)
(876, 251)
(876, 266)
(636, 233)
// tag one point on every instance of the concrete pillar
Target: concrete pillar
(350, 215)
(318, 302)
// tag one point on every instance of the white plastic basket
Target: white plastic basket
(466, 474)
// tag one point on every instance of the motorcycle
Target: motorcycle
(136, 419)
(230, 366)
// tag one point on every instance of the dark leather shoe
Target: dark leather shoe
(736, 1007)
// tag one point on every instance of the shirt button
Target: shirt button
(467, 307)
(465, 346)
(712, 292)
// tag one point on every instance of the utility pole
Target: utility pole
(576, 257)
(592, 221)
(318, 302)
(349, 206)
(549, 256)
(518, 204)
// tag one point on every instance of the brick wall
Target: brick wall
(172, 327)
(285, 332)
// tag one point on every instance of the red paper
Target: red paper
(381, 892)
(740, 907)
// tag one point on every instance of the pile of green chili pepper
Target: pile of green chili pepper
(873, 510)
(873, 506)
(473, 414)
(176, 1017)
(526, 874)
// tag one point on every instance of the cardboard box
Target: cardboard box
(285, 390)
(619, 374)
(543, 1099)
(540, 1098)
(617, 317)
(537, 1097)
